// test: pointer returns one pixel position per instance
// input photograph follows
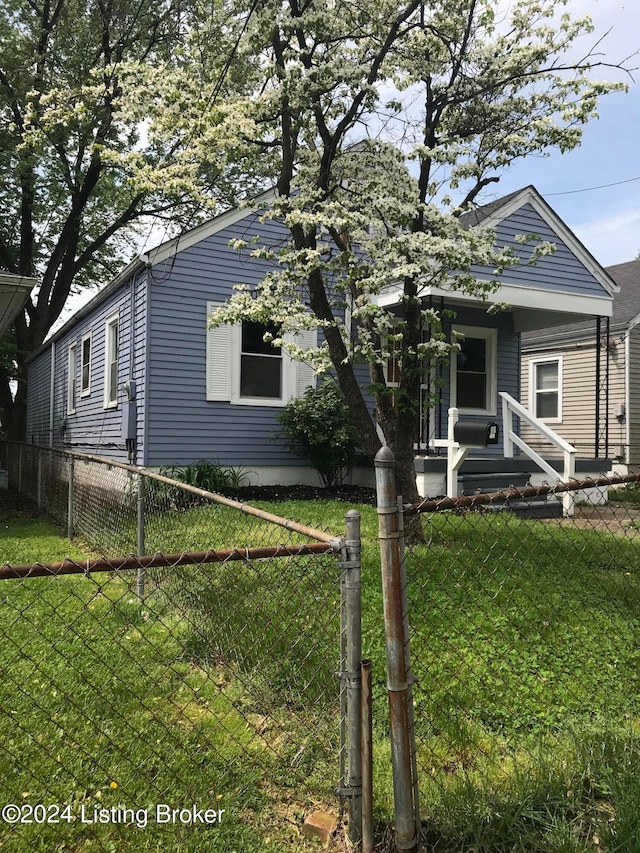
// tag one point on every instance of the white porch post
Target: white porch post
(455, 453)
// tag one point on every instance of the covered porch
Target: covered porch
(482, 382)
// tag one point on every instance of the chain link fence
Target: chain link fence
(522, 656)
(173, 672)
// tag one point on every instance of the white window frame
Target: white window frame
(491, 389)
(72, 377)
(110, 322)
(223, 351)
(534, 392)
(84, 392)
(236, 367)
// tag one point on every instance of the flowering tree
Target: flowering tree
(110, 113)
(445, 94)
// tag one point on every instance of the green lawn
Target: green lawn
(525, 640)
(525, 643)
(107, 704)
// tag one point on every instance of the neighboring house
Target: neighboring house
(14, 292)
(137, 374)
(583, 379)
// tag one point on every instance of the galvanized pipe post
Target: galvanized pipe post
(70, 501)
(351, 566)
(407, 663)
(396, 642)
(367, 759)
(140, 583)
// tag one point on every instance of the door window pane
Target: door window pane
(471, 374)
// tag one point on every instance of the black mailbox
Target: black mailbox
(476, 433)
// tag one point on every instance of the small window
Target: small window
(260, 363)
(85, 374)
(545, 397)
(111, 363)
(474, 371)
(71, 379)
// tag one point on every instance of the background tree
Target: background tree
(111, 112)
(446, 95)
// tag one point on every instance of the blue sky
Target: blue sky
(606, 220)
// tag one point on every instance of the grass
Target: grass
(108, 704)
(525, 648)
(524, 641)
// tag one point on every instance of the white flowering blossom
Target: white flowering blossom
(383, 122)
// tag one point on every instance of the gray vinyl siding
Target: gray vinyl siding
(634, 396)
(579, 399)
(560, 271)
(183, 426)
(92, 428)
(38, 399)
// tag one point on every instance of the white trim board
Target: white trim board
(519, 296)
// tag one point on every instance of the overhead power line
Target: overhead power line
(600, 187)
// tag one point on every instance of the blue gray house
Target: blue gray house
(136, 374)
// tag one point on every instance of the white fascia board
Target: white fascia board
(529, 195)
(14, 292)
(517, 296)
(18, 281)
(207, 229)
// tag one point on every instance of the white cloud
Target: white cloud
(613, 238)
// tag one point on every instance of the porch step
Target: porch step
(528, 508)
(487, 483)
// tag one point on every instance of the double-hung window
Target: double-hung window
(111, 362)
(71, 378)
(474, 371)
(260, 363)
(242, 368)
(545, 388)
(85, 372)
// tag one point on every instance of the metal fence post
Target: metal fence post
(407, 663)
(396, 641)
(141, 486)
(367, 759)
(351, 564)
(70, 501)
(19, 469)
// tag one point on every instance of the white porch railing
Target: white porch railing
(511, 407)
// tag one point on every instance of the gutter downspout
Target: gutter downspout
(597, 390)
(606, 390)
(627, 398)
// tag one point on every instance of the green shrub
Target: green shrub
(209, 476)
(317, 427)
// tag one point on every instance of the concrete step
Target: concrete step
(489, 482)
(528, 507)
(485, 483)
